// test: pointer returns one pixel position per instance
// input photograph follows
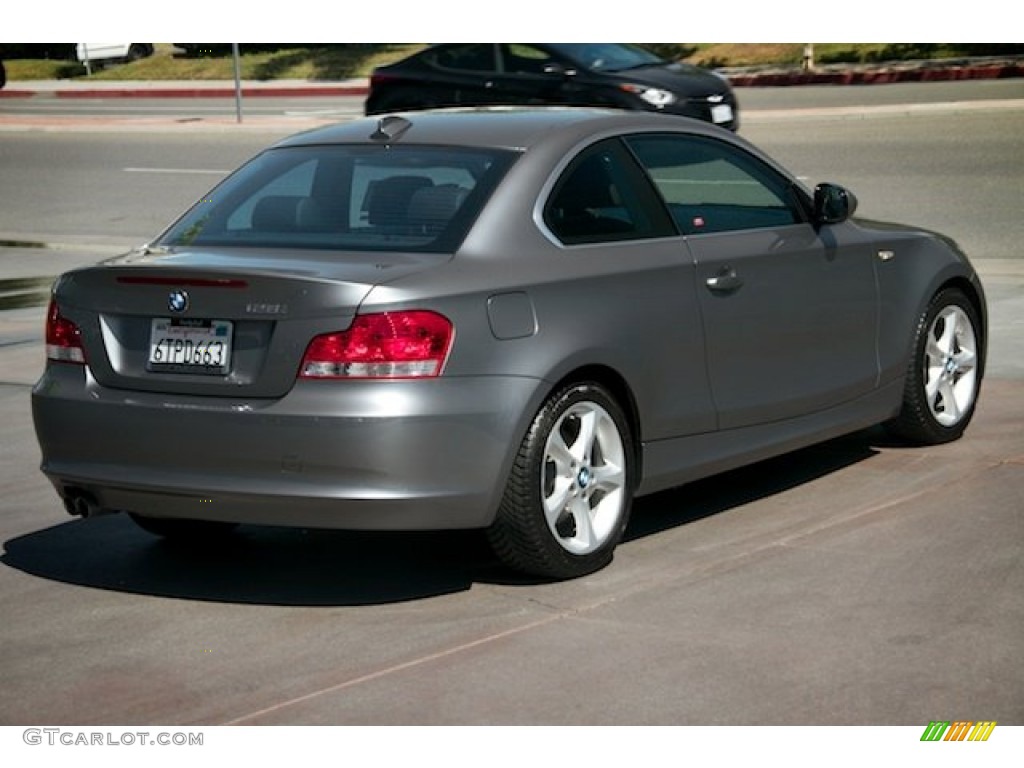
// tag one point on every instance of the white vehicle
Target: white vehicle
(104, 52)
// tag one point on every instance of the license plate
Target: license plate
(190, 346)
(721, 113)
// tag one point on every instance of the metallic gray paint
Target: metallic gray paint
(831, 344)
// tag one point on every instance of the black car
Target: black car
(571, 74)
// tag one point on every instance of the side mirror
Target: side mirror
(833, 204)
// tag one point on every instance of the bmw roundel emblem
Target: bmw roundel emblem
(177, 301)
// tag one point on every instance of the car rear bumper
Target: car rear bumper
(398, 455)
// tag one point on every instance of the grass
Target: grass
(343, 61)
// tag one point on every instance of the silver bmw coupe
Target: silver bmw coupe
(513, 320)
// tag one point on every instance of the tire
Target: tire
(185, 531)
(138, 51)
(568, 496)
(944, 373)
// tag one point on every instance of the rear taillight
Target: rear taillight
(389, 345)
(63, 338)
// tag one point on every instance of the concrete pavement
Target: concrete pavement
(857, 582)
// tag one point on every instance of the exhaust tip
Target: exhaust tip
(79, 503)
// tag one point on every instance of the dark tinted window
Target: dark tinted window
(710, 186)
(524, 59)
(608, 57)
(379, 198)
(474, 57)
(603, 196)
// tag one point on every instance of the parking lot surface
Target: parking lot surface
(859, 582)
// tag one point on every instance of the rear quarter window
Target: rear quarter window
(603, 196)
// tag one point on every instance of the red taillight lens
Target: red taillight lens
(390, 345)
(63, 338)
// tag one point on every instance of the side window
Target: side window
(523, 59)
(710, 186)
(603, 197)
(472, 57)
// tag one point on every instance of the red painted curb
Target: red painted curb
(878, 77)
(213, 93)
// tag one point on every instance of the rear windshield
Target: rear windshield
(346, 198)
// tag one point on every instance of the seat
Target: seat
(276, 213)
(387, 200)
(431, 208)
(585, 205)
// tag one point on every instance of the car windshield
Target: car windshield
(608, 57)
(341, 197)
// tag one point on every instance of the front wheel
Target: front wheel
(944, 373)
(568, 496)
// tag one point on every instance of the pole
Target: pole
(238, 82)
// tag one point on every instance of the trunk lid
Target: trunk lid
(216, 321)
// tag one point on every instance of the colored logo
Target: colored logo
(177, 301)
(958, 730)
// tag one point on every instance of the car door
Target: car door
(627, 297)
(531, 74)
(789, 309)
(463, 73)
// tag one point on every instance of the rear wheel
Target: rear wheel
(138, 51)
(944, 373)
(568, 496)
(190, 531)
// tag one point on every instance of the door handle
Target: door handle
(725, 281)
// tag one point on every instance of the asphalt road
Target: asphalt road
(858, 582)
(756, 100)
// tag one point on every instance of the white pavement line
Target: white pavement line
(860, 112)
(211, 171)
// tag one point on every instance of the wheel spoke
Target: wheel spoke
(560, 453)
(950, 413)
(943, 335)
(945, 342)
(585, 537)
(932, 385)
(608, 477)
(966, 360)
(556, 502)
(583, 448)
(934, 350)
